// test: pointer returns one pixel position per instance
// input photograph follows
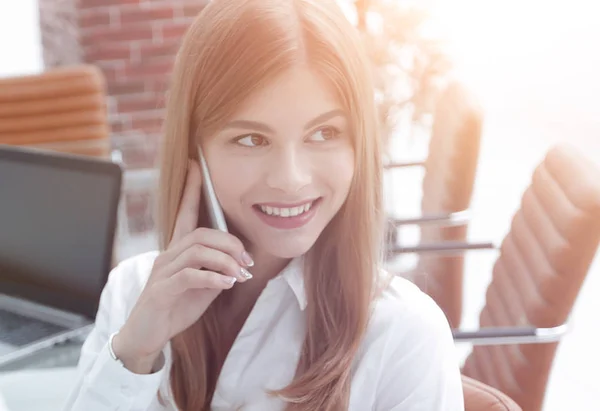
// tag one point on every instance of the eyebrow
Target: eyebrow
(255, 125)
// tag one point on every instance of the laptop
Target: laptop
(58, 215)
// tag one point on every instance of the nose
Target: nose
(289, 170)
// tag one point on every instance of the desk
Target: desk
(41, 382)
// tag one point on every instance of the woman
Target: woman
(277, 94)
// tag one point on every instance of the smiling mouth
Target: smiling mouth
(286, 212)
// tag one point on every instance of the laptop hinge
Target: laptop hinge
(42, 312)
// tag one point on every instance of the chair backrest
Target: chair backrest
(62, 109)
(481, 397)
(543, 262)
(448, 182)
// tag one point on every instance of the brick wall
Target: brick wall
(59, 33)
(134, 42)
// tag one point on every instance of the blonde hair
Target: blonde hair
(233, 48)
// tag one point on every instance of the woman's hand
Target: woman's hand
(186, 278)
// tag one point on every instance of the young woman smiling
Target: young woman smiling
(290, 309)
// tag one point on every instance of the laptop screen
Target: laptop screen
(57, 225)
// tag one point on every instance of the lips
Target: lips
(287, 216)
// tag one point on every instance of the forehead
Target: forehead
(298, 94)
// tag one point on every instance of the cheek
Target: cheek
(229, 182)
(339, 170)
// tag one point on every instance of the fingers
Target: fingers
(198, 257)
(211, 238)
(192, 279)
(187, 216)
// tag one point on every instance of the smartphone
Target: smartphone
(215, 212)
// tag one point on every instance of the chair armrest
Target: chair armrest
(449, 247)
(450, 219)
(404, 164)
(479, 396)
(511, 335)
(116, 156)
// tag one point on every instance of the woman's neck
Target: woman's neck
(242, 297)
(266, 266)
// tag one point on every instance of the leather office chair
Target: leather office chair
(481, 397)
(62, 109)
(450, 169)
(542, 265)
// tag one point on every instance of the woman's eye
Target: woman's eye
(325, 134)
(251, 140)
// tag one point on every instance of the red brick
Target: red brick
(119, 34)
(147, 124)
(85, 4)
(107, 51)
(192, 9)
(155, 13)
(94, 17)
(159, 84)
(175, 30)
(111, 64)
(141, 102)
(166, 49)
(149, 67)
(129, 86)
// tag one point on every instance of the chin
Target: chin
(286, 248)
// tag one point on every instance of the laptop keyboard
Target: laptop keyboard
(18, 330)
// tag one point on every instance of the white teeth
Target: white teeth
(286, 212)
(296, 210)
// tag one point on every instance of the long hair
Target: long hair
(233, 48)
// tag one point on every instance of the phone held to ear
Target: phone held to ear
(215, 212)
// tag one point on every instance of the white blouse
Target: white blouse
(407, 360)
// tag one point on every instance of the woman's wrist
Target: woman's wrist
(132, 360)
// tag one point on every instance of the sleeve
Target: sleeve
(421, 370)
(103, 384)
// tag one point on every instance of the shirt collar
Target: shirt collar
(293, 274)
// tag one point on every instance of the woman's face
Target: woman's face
(283, 164)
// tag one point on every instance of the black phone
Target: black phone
(215, 212)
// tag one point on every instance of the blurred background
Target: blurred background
(531, 65)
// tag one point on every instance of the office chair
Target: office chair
(481, 397)
(447, 187)
(542, 265)
(63, 109)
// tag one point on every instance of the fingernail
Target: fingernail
(230, 280)
(245, 273)
(247, 259)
